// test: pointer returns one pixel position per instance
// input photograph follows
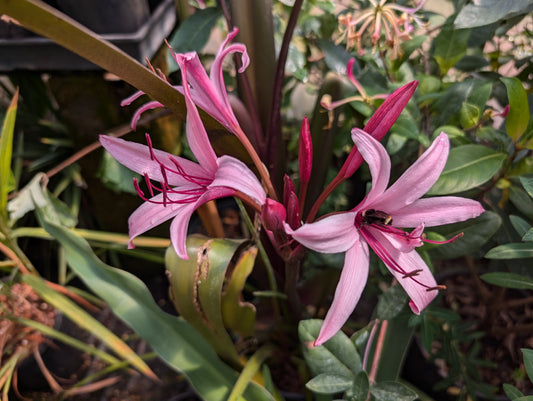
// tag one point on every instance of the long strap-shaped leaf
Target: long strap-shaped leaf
(173, 339)
(63, 30)
(6, 149)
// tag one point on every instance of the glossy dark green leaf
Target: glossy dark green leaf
(391, 303)
(335, 56)
(528, 362)
(511, 251)
(392, 391)
(450, 46)
(408, 47)
(518, 116)
(193, 33)
(467, 167)
(509, 280)
(469, 115)
(336, 356)
(326, 383)
(485, 12)
(520, 225)
(511, 391)
(360, 387)
(521, 200)
(527, 183)
(476, 233)
(173, 339)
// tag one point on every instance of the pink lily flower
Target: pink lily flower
(208, 92)
(184, 184)
(376, 222)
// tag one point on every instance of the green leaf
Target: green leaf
(173, 339)
(326, 383)
(527, 183)
(392, 391)
(469, 115)
(196, 289)
(450, 46)
(115, 176)
(528, 362)
(485, 12)
(360, 388)
(6, 149)
(511, 251)
(467, 167)
(86, 321)
(408, 47)
(239, 315)
(512, 392)
(336, 356)
(476, 233)
(509, 280)
(391, 303)
(521, 200)
(518, 117)
(193, 33)
(520, 225)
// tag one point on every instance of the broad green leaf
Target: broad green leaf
(509, 280)
(392, 391)
(485, 12)
(450, 46)
(467, 167)
(239, 315)
(391, 303)
(172, 338)
(518, 117)
(527, 183)
(520, 225)
(360, 388)
(193, 33)
(512, 392)
(511, 251)
(521, 200)
(336, 356)
(476, 233)
(528, 362)
(336, 57)
(469, 115)
(326, 383)
(525, 398)
(196, 289)
(6, 149)
(86, 321)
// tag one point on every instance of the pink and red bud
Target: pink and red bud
(305, 152)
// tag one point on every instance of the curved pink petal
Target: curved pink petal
(233, 173)
(416, 278)
(145, 107)
(179, 227)
(378, 161)
(195, 130)
(417, 179)
(436, 211)
(150, 215)
(332, 234)
(349, 289)
(136, 157)
(130, 99)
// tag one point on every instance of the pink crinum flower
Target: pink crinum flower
(183, 184)
(376, 222)
(207, 91)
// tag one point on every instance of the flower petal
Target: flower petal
(437, 211)
(417, 179)
(145, 107)
(179, 227)
(233, 173)
(421, 286)
(150, 215)
(195, 130)
(349, 289)
(136, 157)
(378, 161)
(332, 234)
